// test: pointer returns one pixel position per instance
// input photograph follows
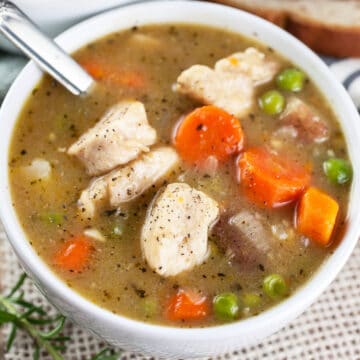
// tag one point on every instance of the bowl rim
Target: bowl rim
(290, 307)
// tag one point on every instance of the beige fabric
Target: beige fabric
(330, 329)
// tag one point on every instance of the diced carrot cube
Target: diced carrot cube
(316, 216)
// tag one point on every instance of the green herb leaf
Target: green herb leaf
(11, 338)
(106, 354)
(36, 354)
(40, 321)
(54, 332)
(28, 305)
(6, 317)
(18, 285)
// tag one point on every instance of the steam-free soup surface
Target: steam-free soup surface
(143, 64)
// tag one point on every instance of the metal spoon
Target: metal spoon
(24, 34)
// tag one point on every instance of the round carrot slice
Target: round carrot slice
(74, 255)
(271, 180)
(208, 131)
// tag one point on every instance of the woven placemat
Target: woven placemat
(329, 329)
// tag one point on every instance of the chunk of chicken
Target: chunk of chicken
(234, 94)
(230, 85)
(126, 183)
(94, 197)
(250, 62)
(119, 137)
(309, 126)
(131, 181)
(174, 237)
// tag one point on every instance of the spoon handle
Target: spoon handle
(24, 34)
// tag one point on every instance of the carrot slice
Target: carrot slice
(94, 69)
(316, 216)
(208, 131)
(74, 254)
(128, 78)
(186, 305)
(99, 71)
(270, 180)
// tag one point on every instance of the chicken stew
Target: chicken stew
(204, 179)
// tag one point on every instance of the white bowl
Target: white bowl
(154, 339)
(54, 16)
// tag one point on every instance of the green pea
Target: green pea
(291, 80)
(53, 218)
(251, 299)
(338, 171)
(226, 306)
(274, 286)
(272, 102)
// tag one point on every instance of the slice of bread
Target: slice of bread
(330, 27)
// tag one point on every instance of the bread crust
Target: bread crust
(323, 38)
(333, 41)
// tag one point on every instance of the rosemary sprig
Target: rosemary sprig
(18, 312)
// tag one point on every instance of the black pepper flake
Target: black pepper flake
(110, 212)
(106, 294)
(23, 152)
(139, 292)
(221, 274)
(199, 127)
(261, 267)
(237, 287)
